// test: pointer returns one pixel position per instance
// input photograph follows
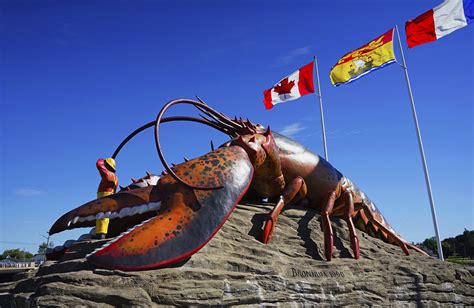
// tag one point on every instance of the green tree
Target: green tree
(461, 245)
(43, 246)
(431, 244)
(16, 254)
(467, 239)
(449, 246)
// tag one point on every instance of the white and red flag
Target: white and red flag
(432, 25)
(291, 87)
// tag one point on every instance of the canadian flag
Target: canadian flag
(291, 87)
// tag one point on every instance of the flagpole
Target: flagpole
(323, 129)
(422, 152)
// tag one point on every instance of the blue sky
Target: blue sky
(79, 76)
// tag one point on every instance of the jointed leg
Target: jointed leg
(294, 191)
(328, 235)
(348, 211)
(348, 214)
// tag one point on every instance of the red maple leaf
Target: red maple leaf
(284, 87)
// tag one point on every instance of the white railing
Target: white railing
(18, 265)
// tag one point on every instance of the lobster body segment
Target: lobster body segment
(296, 160)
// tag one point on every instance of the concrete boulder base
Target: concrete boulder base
(235, 268)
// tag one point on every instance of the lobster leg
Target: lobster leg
(293, 192)
(328, 234)
(345, 207)
(348, 214)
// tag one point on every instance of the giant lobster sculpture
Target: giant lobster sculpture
(172, 220)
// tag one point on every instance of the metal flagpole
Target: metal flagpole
(321, 110)
(422, 152)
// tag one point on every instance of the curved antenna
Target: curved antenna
(164, 120)
(212, 118)
(219, 120)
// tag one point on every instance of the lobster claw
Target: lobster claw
(187, 218)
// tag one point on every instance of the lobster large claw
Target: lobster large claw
(187, 218)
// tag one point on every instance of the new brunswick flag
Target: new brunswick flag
(357, 63)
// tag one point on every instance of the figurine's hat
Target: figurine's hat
(110, 162)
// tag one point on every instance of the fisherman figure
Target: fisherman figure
(107, 186)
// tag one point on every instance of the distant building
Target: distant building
(39, 259)
(16, 263)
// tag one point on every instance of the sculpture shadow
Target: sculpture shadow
(344, 251)
(303, 229)
(258, 221)
(304, 232)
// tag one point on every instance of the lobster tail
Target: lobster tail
(370, 220)
(363, 223)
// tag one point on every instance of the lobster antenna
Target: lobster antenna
(168, 119)
(216, 121)
(157, 139)
(213, 117)
(222, 117)
(201, 101)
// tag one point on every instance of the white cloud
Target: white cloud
(283, 60)
(292, 129)
(28, 191)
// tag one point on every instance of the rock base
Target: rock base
(235, 268)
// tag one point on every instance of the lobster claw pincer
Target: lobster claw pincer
(187, 218)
